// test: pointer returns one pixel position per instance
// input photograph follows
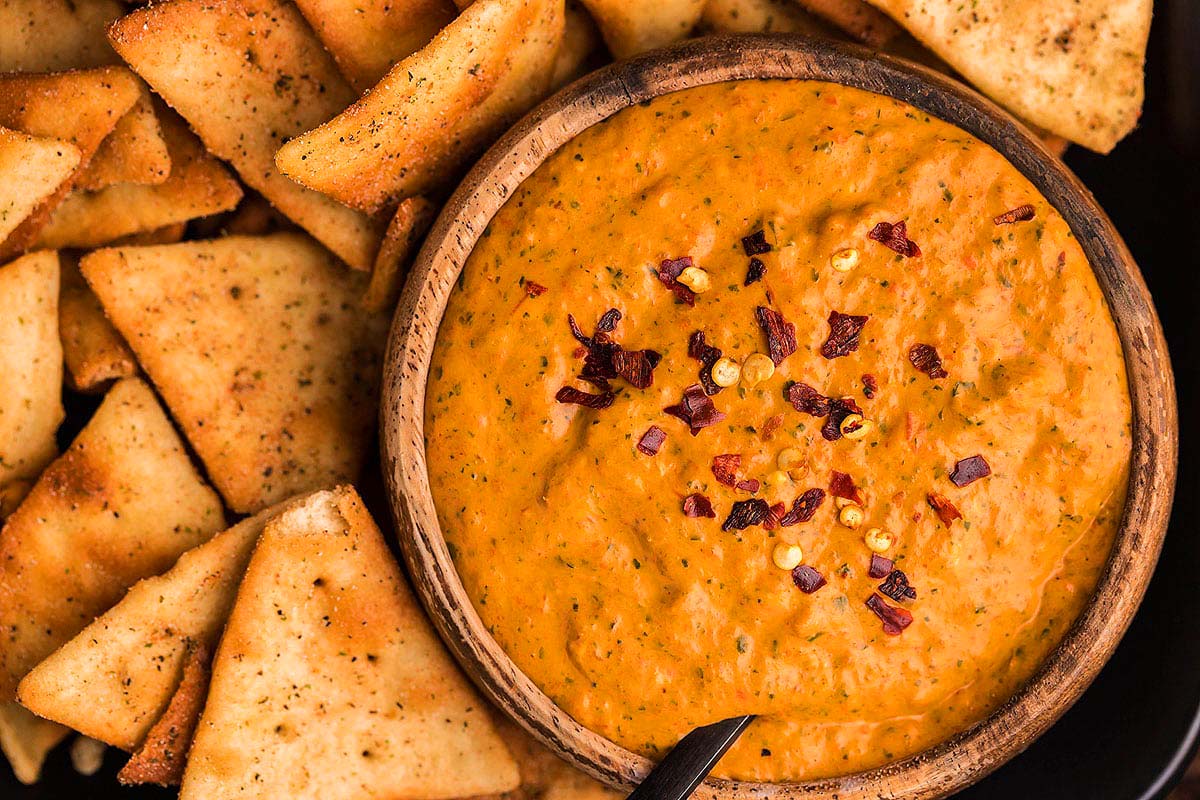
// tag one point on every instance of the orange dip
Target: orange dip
(643, 623)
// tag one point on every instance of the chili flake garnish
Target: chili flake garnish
(807, 579)
(926, 359)
(755, 272)
(844, 330)
(842, 485)
(756, 243)
(534, 289)
(725, 468)
(696, 409)
(804, 508)
(781, 334)
(807, 400)
(636, 366)
(569, 394)
(969, 470)
(880, 567)
(839, 409)
(870, 386)
(774, 515)
(707, 355)
(671, 269)
(652, 440)
(895, 620)
(895, 237)
(1019, 214)
(697, 505)
(746, 513)
(604, 359)
(942, 506)
(770, 426)
(897, 587)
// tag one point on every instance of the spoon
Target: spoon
(690, 761)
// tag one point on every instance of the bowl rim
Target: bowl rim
(1072, 665)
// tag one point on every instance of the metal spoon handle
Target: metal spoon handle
(690, 761)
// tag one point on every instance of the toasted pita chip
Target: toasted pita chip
(30, 367)
(26, 740)
(162, 756)
(254, 216)
(80, 107)
(330, 681)
(434, 109)
(192, 51)
(633, 26)
(760, 16)
(579, 47)
(87, 755)
(167, 234)
(121, 504)
(11, 495)
(31, 169)
(198, 185)
(857, 19)
(52, 35)
(94, 353)
(1075, 69)
(114, 679)
(261, 352)
(366, 37)
(135, 151)
(404, 233)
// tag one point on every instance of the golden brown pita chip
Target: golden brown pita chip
(122, 503)
(857, 19)
(135, 151)
(26, 740)
(366, 37)
(11, 495)
(634, 26)
(80, 107)
(87, 755)
(162, 756)
(260, 350)
(760, 16)
(435, 109)
(580, 43)
(31, 169)
(30, 367)
(330, 682)
(113, 680)
(93, 351)
(404, 233)
(52, 35)
(198, 185)
(273, 80)
(167, 234)
(1073, 68)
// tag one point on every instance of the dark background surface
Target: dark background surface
(1136, 729)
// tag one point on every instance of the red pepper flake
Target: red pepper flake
(756, 243)
(781, 334)
(839, 409)
(895, 620)
(750, 485)
(696, 409)
(604, 359)
(969, 470)
(707, 355)
(842, 485)
(636, 366)
(870, 386)
(755, 272)
(895, 237)
(697, 505)
(945, 510)
(844, 330)
(897, 587)
(534, 289)
(774, 516)
(569, 394)
(671, 269)
(746, 513)
(770, 426)
(803, 508)
(807, 579)
(1019, 214)
(926, 359)
(880, 566)
(725, 468)
(652, 440)
(807, 400)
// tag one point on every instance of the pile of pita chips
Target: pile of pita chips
(94, 353)
(330, 680)
(53, 35)
(135, 151)
(31, 169)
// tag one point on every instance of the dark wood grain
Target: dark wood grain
(946, 767)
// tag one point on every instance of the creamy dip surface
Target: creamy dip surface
(643, 622)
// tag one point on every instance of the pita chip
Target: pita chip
(580, 44)
(26, 740)
(31, 168)
(93, 351)
(53, 35)
(122, 503)
(330, 682)
(630, 27)
(412, 219)
(135, 151)
(760, 16)
(261, 351)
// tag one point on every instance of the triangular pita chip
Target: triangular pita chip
(30, 366)
(412, 219)
(760, 16)
(366, 37)
(135, 151)
(631, 26)
(26, 740)
(199, 185)
(1073, 68)
(580, 43)
(31, 168)
(543, 774)
(122, 503)
(93, 351)
(330, 682)
(113, 680)
(261, 351)
(435, 109)
(51, 35)
(192, 51)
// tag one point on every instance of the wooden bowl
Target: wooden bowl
(971, 754)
